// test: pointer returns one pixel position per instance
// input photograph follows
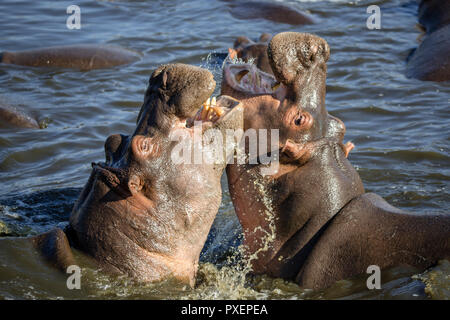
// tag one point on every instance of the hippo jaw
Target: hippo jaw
(137, 214)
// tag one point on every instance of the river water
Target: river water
(400, 128)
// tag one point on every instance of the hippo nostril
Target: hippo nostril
(313, 52)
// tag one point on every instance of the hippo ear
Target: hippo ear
(158, 80)
(265, 37)
(232, 53)
(164, 80)
(134, 184)
(241, 42)
(143, 147)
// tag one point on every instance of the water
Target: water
(399, 126)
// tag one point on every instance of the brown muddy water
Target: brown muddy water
(400, 128)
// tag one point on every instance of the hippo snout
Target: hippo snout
(291, 54)
(182, 88)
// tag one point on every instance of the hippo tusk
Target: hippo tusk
(219, 112)
(205, 109)
(212, 108)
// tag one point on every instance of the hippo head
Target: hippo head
(256, 52)
(293, 98)
(282, 211)
(144, 212)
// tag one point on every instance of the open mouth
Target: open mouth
(212, 111)
(247, 77)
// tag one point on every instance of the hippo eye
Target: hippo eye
(298, 121)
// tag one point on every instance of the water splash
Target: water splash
(437, 281)
(231, 279)
(269, 235)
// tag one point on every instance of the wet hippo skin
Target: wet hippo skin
(55, 248)
(143, 213)
(311, 221)
(276, 12)
(431, 60)
(14, 117)
(84, 57)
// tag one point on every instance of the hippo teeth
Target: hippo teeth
(209, 111)
(205, 109)
(246, 77)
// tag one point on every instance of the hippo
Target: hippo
(143, 212)
(244, 79)
(13, 116)
(311, 220)
(83, 57)
(276, 12)
(431, 60)
(247, 50)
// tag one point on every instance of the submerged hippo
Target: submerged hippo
(276, 12)
(431, 60)
(83, 57)
(311, 221)
(13, 116)
(143, 212)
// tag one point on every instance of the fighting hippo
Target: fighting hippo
(311, 220)
(276, 12)
(13, 116)
(431, 60)
(83, 57)
(245, 80)
(147, 210)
